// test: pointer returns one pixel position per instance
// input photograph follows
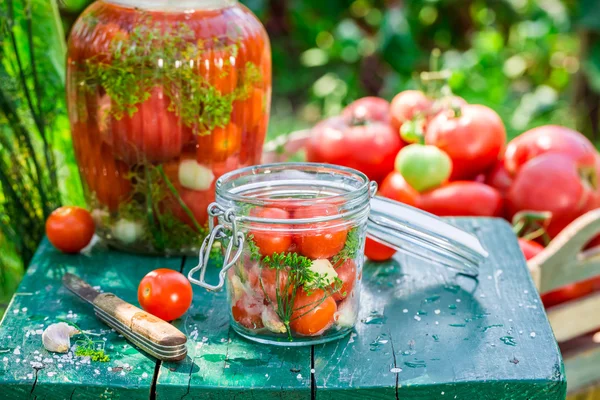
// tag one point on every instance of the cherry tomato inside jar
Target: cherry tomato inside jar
(321, 239)
(347, 274)
(268, 237)
(313, 312)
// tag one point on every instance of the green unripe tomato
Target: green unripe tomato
(423, 167)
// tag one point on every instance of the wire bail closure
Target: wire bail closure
(221, 233)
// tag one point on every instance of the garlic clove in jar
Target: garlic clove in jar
(57, 337)
(346, 314)
(195, 176)
(325, 270)
(127, 231)
(271, 321)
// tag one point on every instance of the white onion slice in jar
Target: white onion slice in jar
(271, 321)
(323, 268)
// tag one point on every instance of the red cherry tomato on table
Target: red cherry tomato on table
(313, 313)
(347, 274)
(369, 108)
(395, 187)
(406, 105)
(267, 238)
(70, 229)
(370, 147)
(322, 239)
(551, 182)
(530, 248)
(376, 251)
(548, 139)
(165, 293)
(462, 198)
(473, 139)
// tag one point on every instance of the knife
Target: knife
(151, 334)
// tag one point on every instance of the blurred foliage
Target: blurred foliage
(37, 168)
(516, 56)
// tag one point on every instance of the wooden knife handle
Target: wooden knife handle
(139, 321)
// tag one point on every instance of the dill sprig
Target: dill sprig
(87, 347)
(351, 247)
(130, 70)
(253, 248)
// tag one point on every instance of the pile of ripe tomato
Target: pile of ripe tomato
(452, 158)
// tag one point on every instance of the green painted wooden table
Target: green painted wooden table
(424, 333)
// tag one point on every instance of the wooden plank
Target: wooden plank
(222, 365)
(426, 332)
(582, 369)
(28, 370)
(573, 319)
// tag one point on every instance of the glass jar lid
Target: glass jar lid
(423, 235)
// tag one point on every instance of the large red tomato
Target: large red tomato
(406, 105)
(395, 187)
(548, 139)
(550, 182)
(530, 248)
(370, 147)
(153, 133)
(462, 198)
(570, 292)
(369, 108)
(499, 178)
(473, 138)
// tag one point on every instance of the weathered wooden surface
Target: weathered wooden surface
(27, 370)
(425, 333)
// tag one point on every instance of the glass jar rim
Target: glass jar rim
(352, 199)
(174, 5)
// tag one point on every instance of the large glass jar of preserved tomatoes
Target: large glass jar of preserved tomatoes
(164, 97)
(293, 236)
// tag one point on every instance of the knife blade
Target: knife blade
(80, 287)
(151, 334)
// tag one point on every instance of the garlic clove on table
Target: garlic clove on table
(57, 337)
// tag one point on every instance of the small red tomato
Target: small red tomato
(320, 240)
(70, 229)
(462, 198)
(406, 105)
(395, 187)
(347, 274)
(548, 139)
(368, 108)
(265, 236)
(473, 138)
(530, 248)
(247, 312)
(376, 251)
(313, 313)
(165, 293)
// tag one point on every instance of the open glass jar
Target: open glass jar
(293, 238)
(164, 97)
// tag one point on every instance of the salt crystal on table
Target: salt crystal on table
(5, 359)
(437, 311)
(405, 311)
(144, 375)
(532, 334)
(24, 309)
(417, 318)
(17, 351)
(51, 374)
(299, 376)
(97, 372)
